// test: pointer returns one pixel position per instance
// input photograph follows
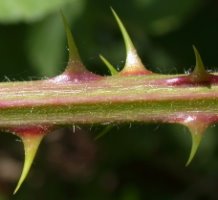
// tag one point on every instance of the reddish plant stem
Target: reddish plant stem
(142, 98)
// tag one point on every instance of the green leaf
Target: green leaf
(161, 17)
(29, 10)
(45, 46)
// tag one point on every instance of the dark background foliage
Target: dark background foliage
(133, 161)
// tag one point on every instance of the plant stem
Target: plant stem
(110, 99)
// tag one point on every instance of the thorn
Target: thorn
(111, 68)
(104, 132)
(74, 64)
(196, 139)
(75, 71)
(199, 74)
(31, 137)
(133, 63)
(197, 126)
(31, 144)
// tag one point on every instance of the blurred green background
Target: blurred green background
(133, 161)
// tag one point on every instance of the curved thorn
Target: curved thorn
(128, 42)
(111, 68)
(197, 124)
(199, 74)
(196, 139)
(133, 62)
(74, 63)
(31, 144)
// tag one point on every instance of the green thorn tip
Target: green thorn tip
(31, 144)
(73, 52)
(111, 68)
(128, 42)
(196, 140)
